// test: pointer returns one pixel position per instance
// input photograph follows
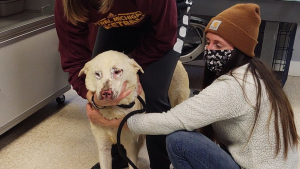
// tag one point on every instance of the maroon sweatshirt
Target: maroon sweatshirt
(76, 42)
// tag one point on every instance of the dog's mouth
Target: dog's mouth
(107, 94)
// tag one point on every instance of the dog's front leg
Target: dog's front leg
(104, 146)
(131, 146)
(105, 158)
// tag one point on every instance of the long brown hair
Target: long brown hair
(281, 108)
(76, 12)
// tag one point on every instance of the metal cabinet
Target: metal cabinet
(30, 71)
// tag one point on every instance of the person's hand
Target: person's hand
(102, 103)
(96, 118)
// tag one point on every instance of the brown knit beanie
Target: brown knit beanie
(239, 25)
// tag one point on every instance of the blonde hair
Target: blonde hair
(75, 11)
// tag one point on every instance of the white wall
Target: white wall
(294, 69)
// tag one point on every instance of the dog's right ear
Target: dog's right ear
(135, 65)
(85, 69)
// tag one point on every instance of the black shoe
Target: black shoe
(117, 161)
(96, 166)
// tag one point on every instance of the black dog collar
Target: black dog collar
(127, 106)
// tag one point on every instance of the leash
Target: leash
(120, 129)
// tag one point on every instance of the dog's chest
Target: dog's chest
(112, 134)
(105, 134)
(115, 112)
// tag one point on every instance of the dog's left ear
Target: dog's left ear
(136, 66)
(85, 69)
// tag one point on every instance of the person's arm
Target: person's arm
(220, 101)
(74, 48)
(163, 31)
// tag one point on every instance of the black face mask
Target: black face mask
(216, 59)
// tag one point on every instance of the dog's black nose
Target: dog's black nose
(106, 94)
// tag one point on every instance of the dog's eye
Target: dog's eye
(98, 75)
(116, 73)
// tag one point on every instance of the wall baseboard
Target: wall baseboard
(294, 69)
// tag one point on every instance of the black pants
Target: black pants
(155, 80)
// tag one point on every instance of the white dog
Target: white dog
(105, 75)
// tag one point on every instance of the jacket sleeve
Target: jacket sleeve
(162, 34)
(222, 100)
(74, 48)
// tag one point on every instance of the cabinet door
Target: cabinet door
(30, 73)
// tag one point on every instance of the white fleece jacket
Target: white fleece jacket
(223, 105)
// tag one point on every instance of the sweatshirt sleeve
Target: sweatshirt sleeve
(74, 48)
(222, 100)
(162, 34)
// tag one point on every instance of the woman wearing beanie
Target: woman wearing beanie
(248, 110)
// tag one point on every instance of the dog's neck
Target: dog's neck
(128, 100)
(127, 106)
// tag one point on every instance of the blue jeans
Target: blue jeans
(192, 150)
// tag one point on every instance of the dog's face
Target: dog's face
(106, 73)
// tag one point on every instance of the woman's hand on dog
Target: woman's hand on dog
(96, 118)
